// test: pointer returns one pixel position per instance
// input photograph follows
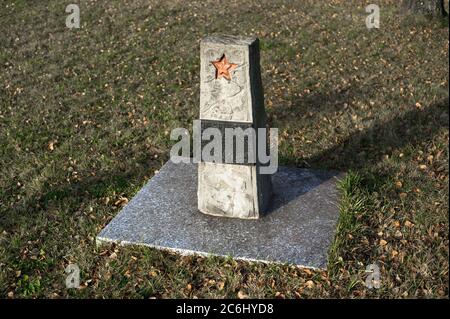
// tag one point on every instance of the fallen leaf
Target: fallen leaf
(279, 295)
(408, 224)
(51, 146)
(307, 271)
(242, 295)
(383, 242)
(122, 201)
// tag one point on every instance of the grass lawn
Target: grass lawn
(86, 114)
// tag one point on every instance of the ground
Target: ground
(85, 117)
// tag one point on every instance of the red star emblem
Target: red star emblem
(223, 67)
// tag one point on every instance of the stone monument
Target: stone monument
(231, 96)
(287, 217)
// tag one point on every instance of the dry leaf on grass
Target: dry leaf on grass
(242, 295)
(408, 224)
(122, 201)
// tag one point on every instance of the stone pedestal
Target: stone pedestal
(231, 96)
(298, 228)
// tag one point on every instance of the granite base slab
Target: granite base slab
(298, 228)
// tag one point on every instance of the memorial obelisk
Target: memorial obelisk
(231, 97)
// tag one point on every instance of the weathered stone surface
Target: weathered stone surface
(227, 190)
(298, 229)
(221, 99)
(238, 98)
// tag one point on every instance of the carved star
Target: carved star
(223, 67)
